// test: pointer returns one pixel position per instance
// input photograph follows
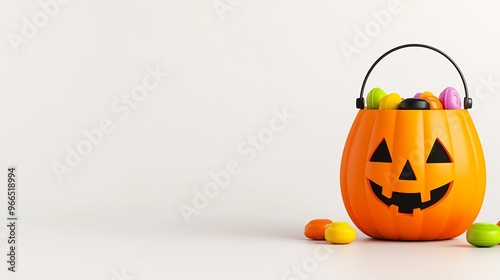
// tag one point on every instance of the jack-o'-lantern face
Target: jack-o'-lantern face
(408, 201)
(413, 174)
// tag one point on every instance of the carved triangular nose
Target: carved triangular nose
(407, 172)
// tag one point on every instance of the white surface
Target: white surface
(243, 251)
(119, 208)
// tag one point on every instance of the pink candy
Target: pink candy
(450, 99)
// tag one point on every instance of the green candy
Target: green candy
(373, 98)
(483, 234)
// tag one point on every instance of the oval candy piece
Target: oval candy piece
(340, 233)
(434, 102)
(414, 104)
(426, 93)
(450, 99)
(483, 234)
(315, 229)
(373, 98)
(390, 102)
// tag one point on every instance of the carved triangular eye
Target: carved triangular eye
(438, 153)
(381, 154)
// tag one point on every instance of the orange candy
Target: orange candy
(315, 229)
(433, 101)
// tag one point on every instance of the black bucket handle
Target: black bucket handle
(360, 102)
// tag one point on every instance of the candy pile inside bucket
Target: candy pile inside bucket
(449, 99)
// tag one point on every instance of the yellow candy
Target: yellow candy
(426, 93)
(340, 233)
(390, 102)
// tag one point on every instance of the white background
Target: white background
(116, 214)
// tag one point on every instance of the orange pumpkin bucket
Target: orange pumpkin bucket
(413, 173)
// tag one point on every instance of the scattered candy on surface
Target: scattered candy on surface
(315, 229)
(373, 98)
(390, 102)
(340, 233)
(414, 104)
(450, 99)
(483, 234)
(434, 102)
(417, 95)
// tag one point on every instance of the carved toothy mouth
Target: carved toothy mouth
(406, 202)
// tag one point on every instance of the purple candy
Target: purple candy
(450, 98)
(417, 95)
